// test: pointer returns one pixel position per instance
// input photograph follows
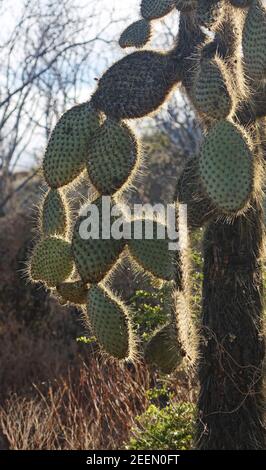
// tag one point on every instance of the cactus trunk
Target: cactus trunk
(232, 349)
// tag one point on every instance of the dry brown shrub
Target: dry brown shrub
(92, 409)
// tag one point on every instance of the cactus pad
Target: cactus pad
(241, 3)
(209, 12)
(210, 94)
(74, 292)
(226, 167)
(94, 258)
(163, 350)
(112, 155)
(254, 41)
(136, 35)
(51, 261)
(153, 255)
(186, 5)
(189, 192)
(66, 152)
(137, 84)
(152, 9)
(54, 214)
(109, 321)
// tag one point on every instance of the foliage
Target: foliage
(163, 429)
(151, 310)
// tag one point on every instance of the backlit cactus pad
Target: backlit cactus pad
(110, 322)
(67, 148)
(226, 167)
(136, 35)
(254, 41)
(152, 9)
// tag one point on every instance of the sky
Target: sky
(104, 55)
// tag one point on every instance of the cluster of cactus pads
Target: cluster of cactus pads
(96, 137)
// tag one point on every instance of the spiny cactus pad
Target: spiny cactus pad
(94, 257)
(153, 255)
(226, 167)
(51, 261)
(163, 350)
(66, 151)
(136, 35)
(54, 214)
(75, 292)
(210, 94)
(152, 9)
(189, 192)
(254, 41)
(112, 155)
(137, 84)
(110, 322)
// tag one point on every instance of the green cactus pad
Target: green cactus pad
(66, 151)
(210, 92)
(163, 350)
(199, 208)
(137, 85)
(254, 41)
(226, 167)
(112, 155)
(153, 255)
(51, 261)
(54, 214)
(136, 35)
(152, 9)
(109, 321)
(94, 258)
(186, 5)
(74, 292)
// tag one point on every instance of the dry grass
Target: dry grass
(94, 409)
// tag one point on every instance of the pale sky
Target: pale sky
(104, 55)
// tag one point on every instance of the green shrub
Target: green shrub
(162, 429)
(151, 310)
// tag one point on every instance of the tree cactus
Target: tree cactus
(223, 187)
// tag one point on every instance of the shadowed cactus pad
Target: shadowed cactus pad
(74, 292)
(209, 12)
(54, 214)
(136, 35)
(110, 323)
(94, 257)
(51, 261)
(66, 151)
(112, 155)
(254, 41)
(241, 3)
(226, 167)
(163, 350)
(186, 5)
(136, 85)
(153, 254)
(210, 94)
(189, 192)
(152, 9)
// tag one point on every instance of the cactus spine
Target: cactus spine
(225, 183)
